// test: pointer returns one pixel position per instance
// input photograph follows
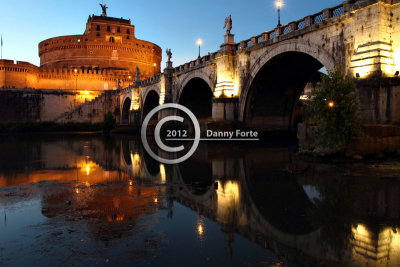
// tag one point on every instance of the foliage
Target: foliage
(336, 109)
(109, 122)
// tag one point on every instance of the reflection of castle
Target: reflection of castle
(108, 51)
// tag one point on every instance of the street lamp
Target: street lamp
(199, 43)
(76, 78)
(278, 5)
(154, 65)
(129, 77)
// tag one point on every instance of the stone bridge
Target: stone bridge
(258, 81)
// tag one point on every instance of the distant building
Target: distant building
(106, 53)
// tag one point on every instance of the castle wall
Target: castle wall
(21, 105)
(25, 75)
(93, 111)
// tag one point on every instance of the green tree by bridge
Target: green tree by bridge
(336, 109)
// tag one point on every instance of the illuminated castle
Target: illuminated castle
(106, 54)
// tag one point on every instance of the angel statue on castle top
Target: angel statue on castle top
(104, 8)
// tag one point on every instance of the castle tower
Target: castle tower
(107, 44)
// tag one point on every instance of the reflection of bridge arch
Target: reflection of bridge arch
(248, 219)
(126, 150)
(151, 166)
(275, 81)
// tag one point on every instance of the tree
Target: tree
(336, 109)
(109, 122)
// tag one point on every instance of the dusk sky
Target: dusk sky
(174, 24)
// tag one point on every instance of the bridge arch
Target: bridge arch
(197, 94)
(211, 81)
(151, 100)
(126, 106)
(275, 80)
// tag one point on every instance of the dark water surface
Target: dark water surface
(86, 200)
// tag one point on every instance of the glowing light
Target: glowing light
(331, 104)
(75, 70)
(129, 77)
(278, 4)
(371, 245)
(130, 182)
(86, 166)
(156, 200)
(136, 164)
(375, 57)
(86, 92)
(362, 72)
(135, 104)
(77, 190)
(225, 89)
(361, 231)
(396, 59)
(87, 184)
(162, 98)
(163, 174)
(200, 230)
(228, 195)
(199, 42)
(154, 65)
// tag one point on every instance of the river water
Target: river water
(87, 200)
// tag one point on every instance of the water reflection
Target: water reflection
(295, 210)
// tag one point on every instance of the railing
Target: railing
(195, 63)
(318, 18)
(266, 36)
(297, 25)
(301, 24)
(337, 11)
(286, 29)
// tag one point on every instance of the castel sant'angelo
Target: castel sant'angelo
(106, 56)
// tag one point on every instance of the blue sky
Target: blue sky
(174, 24)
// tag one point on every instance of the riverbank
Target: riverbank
(376, 140)
(48, 127)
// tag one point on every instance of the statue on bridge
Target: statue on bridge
(228, 25)
(104, 8)
(169, 54)
(137, 74)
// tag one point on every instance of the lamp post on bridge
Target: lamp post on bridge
(129, 77)
(278, 5)
(199, 43)
(76, 78)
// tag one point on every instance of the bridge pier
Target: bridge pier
(225, 109)
(380, 100)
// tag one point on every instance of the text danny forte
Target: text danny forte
(232, 134)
